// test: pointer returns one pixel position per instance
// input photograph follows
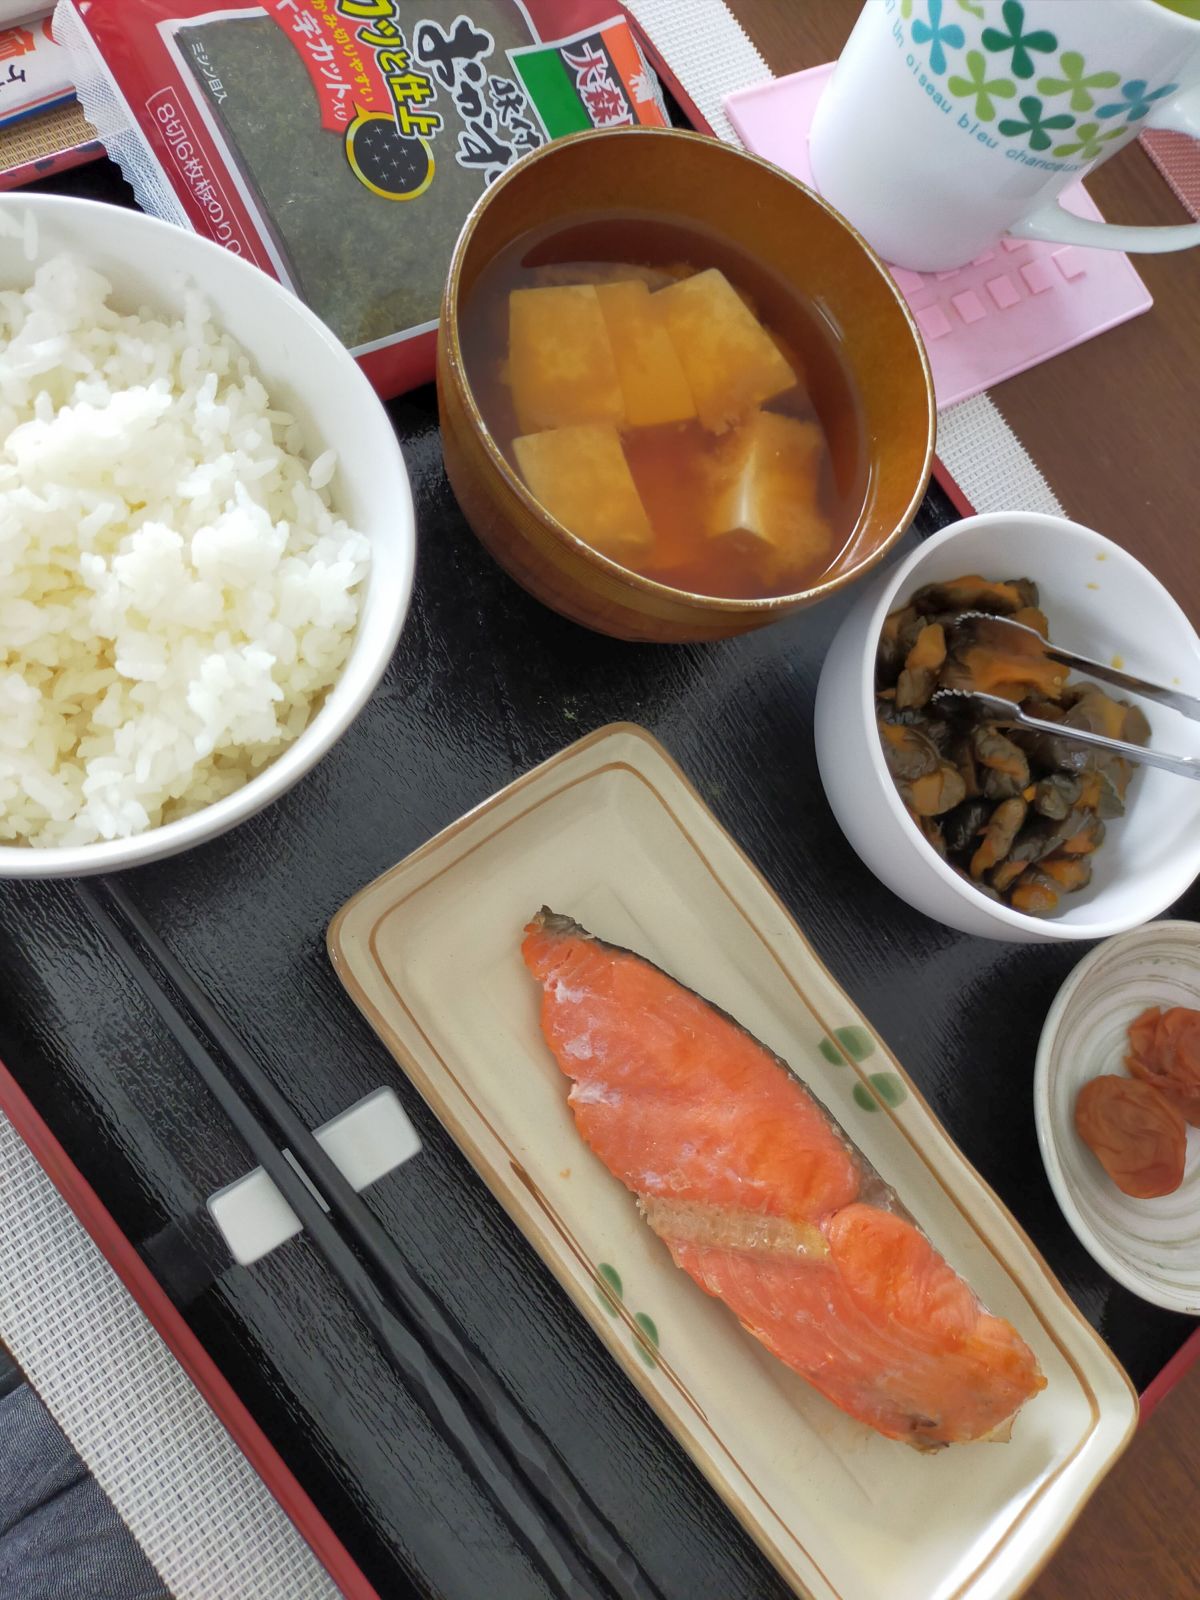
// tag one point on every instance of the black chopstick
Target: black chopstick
(516, 1463)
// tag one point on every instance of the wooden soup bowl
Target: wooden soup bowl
(711, 187)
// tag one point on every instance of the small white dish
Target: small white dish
(1100, 602)
(1150, 1246)
(310, 372)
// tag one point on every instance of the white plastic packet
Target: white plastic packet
(35, 71)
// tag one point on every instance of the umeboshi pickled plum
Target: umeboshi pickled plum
(1164, 1050)
(1135, 1133)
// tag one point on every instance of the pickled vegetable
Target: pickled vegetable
(974, 593)
(1088, 837)
(1164, 1050)
(1001, 661)
(998, 836)
(909, 753)
(1019, 813)
(962, 828)
(1069, 872)
(1006, 767)
(936, 792)
(1135, 1133)
(1057, 796)
(1035, 894)
(919, 678)
(1032, 617)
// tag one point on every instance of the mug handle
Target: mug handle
(1055, 223)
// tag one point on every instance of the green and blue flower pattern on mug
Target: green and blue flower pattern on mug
(1035, 124)
(1087, 142)
(977, 86)
(1015, 41)
(937, 35)
(988, 71)
(1136, 99)
(1077, 81)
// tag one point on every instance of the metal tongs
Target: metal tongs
(1009, 711)
(1187, 703)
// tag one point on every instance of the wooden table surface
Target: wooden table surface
(1111, 425)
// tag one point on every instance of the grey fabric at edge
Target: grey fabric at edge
(60, 1538)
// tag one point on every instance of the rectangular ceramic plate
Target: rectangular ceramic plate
(611, 833)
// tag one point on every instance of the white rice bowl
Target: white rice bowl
(176, 593)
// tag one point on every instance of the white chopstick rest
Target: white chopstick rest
(365, 1142)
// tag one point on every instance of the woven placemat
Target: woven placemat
(1177, 157)
(48, 133)
(191, 1499)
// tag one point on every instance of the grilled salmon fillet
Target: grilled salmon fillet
(762, 1198)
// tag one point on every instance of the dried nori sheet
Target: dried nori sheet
(369, 267)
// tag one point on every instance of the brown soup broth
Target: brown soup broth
(663, 458)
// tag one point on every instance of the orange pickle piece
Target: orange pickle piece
(1135, 1133)
(1164, 1049)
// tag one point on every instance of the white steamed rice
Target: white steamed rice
(176, 595)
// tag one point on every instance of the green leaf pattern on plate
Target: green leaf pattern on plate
(650, 1331)
(856, 1042)
(609, 1288)
(610, 1291)
(888, 1087)
(848, 1044)
(864, 1098)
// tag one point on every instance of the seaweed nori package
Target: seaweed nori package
(340, 143)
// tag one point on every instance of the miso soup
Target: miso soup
(671, 401)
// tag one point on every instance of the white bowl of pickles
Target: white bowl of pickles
(1085, 847)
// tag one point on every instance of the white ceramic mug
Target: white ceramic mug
(950, 122)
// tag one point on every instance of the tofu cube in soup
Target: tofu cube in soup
(658, 406)
(766, 483)
(561, 364)
(731, 361)
(654, 385)
(580, 476)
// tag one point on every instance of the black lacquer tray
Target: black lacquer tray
(485, 684)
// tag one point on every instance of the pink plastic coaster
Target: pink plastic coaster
(1010, 308)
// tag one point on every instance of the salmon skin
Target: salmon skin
(762, 1198)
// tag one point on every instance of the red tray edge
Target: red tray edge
(1184, 1359)
(75, 155)
(167, 1321)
